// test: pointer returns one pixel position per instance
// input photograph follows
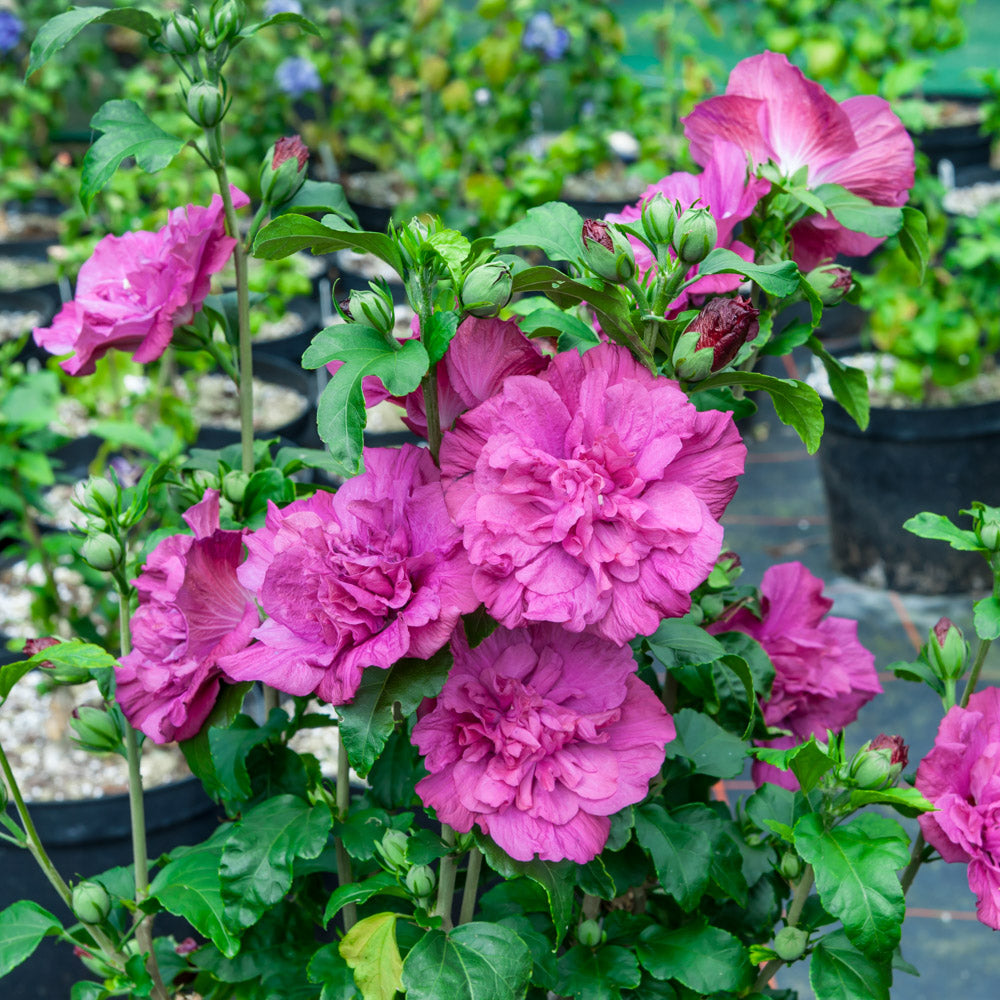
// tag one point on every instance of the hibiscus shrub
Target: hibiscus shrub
(531, 654)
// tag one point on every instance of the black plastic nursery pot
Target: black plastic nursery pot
(905, 462)
(84, 838)
(292, 347)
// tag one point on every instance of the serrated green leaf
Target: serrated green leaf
(368, 720)
(22, 927)
(439, 334)
(855, 867)
(229, 746)
(708, 747)
(598, 973)
(361, 892)
(256, 865)
(62, 29)
(938, 527)
(794, 335)
(554, 228)
(593, 879)
(284, 17)
(126, 132)
(838, 971)
(781, 279)
(703, 958)
(771, 803)
(919, 671)
(914, 238)
(453, 248)
(72, 653)
(986, 618)
(858, 214)
(572, 332)
(327, 966)
(318, 196)
(849, 385)
(907, 801)
(370, 949)
(681, 856)
(291, 233)
(808, 762)
(476, 961)
(198, 751)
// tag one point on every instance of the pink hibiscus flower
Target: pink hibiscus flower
(590, 495)
(192, 611)
(538, 737)
(136, 288)
(771, 111)
(823, 675)
(961, 777)
(354, 579)
(726, 190)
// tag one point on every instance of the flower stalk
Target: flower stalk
(446, 879)
(344, 874)
(468, 908)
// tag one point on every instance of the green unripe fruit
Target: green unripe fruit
(695, 235)
(91, 902)
(102, 551)
(205, 104)
(420, 881)
(487, 289)
(790, 866)
(234, 486)
(392, 847)
(790, 943)
(589, 933)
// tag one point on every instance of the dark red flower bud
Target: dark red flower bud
(32, 646)
(900, 751)
(940, 630)
(287, 147)
(596, 230)
(607, 252)
(186, 946)
(725, 325)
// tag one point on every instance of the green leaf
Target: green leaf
(938, 527)
(475, 961)
(771, 804)
(781, 279)
(808, 762)
(198, 751)
(189, 887)
(479, 625)
(987, 618)
(708, 747)
(368, 720)
(907, 801)
(794, 335)
(319, 196)
(361, 892)
(838, 971)
(593, 878)
(555, 228)
(439, 334)
(284, 17)
(703, 958)
(855, 867)
(678, 640)
(370, 949)
(72, 653)
(291, 233)
(573, 333)
(796, 404)
(229, 747)
(62, 29)
(341, 414)
(917, 670)
(598, 973)
(452, 247)
(913, 238)
(22, 927)
(681, 855)
(858, 214)
(264, 485)
(126, 132)
(849, 385)
(256, 866)
(327, 966)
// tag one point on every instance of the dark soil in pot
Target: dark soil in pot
(954, 134)
(21, 312)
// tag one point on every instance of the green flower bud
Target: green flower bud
(588, 933)
(374, 307)
(987, 526)
(946, 650)
(487, 289)
(99, 496)
(91, 902)
(790, 865)
(182, 35)
(227, 18)
(420, 881)
(830, 282)
(659, 217)
(790, 943)
(714, 337)
(102, 551)
(392, 847)
(205, 104)
(96, 729)
(234, 486)
(283, 171)
(695, 235)
(879, 762)
(202, 480)
(607, 252)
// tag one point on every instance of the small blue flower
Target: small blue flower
(297, 76)
(273, 7)
(10, 30)
(543, 34)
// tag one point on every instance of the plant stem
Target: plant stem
(428, 385)
(344, 875)
(471, 886)
(446, 879)
(801, 894)
(916, 859)
(977, 666)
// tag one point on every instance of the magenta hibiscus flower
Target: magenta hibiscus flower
(590, 495)
(354, 579)
(727, 191)
(961, 777)
(823, 675)
(771, 111)
(538, 737)
(136, 288)
(192, 611)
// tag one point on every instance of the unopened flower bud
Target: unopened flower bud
(102, 551)
(790, 943)
(392, 847)
(487, 289)
(607, 252)
(99, 496)
(205, 104)
(879, 762)
(695, 235)
(91, 902)
(96, 729)
(420, 881)
(374, 307)
(203, 480)
(714, 337)
(659, 217)
(182, 35)
(987, 527)
(791, 865)
(946, 649)
(589, 933)
(830, 282)
(283, 171)
(227, 19)
(234, 486)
